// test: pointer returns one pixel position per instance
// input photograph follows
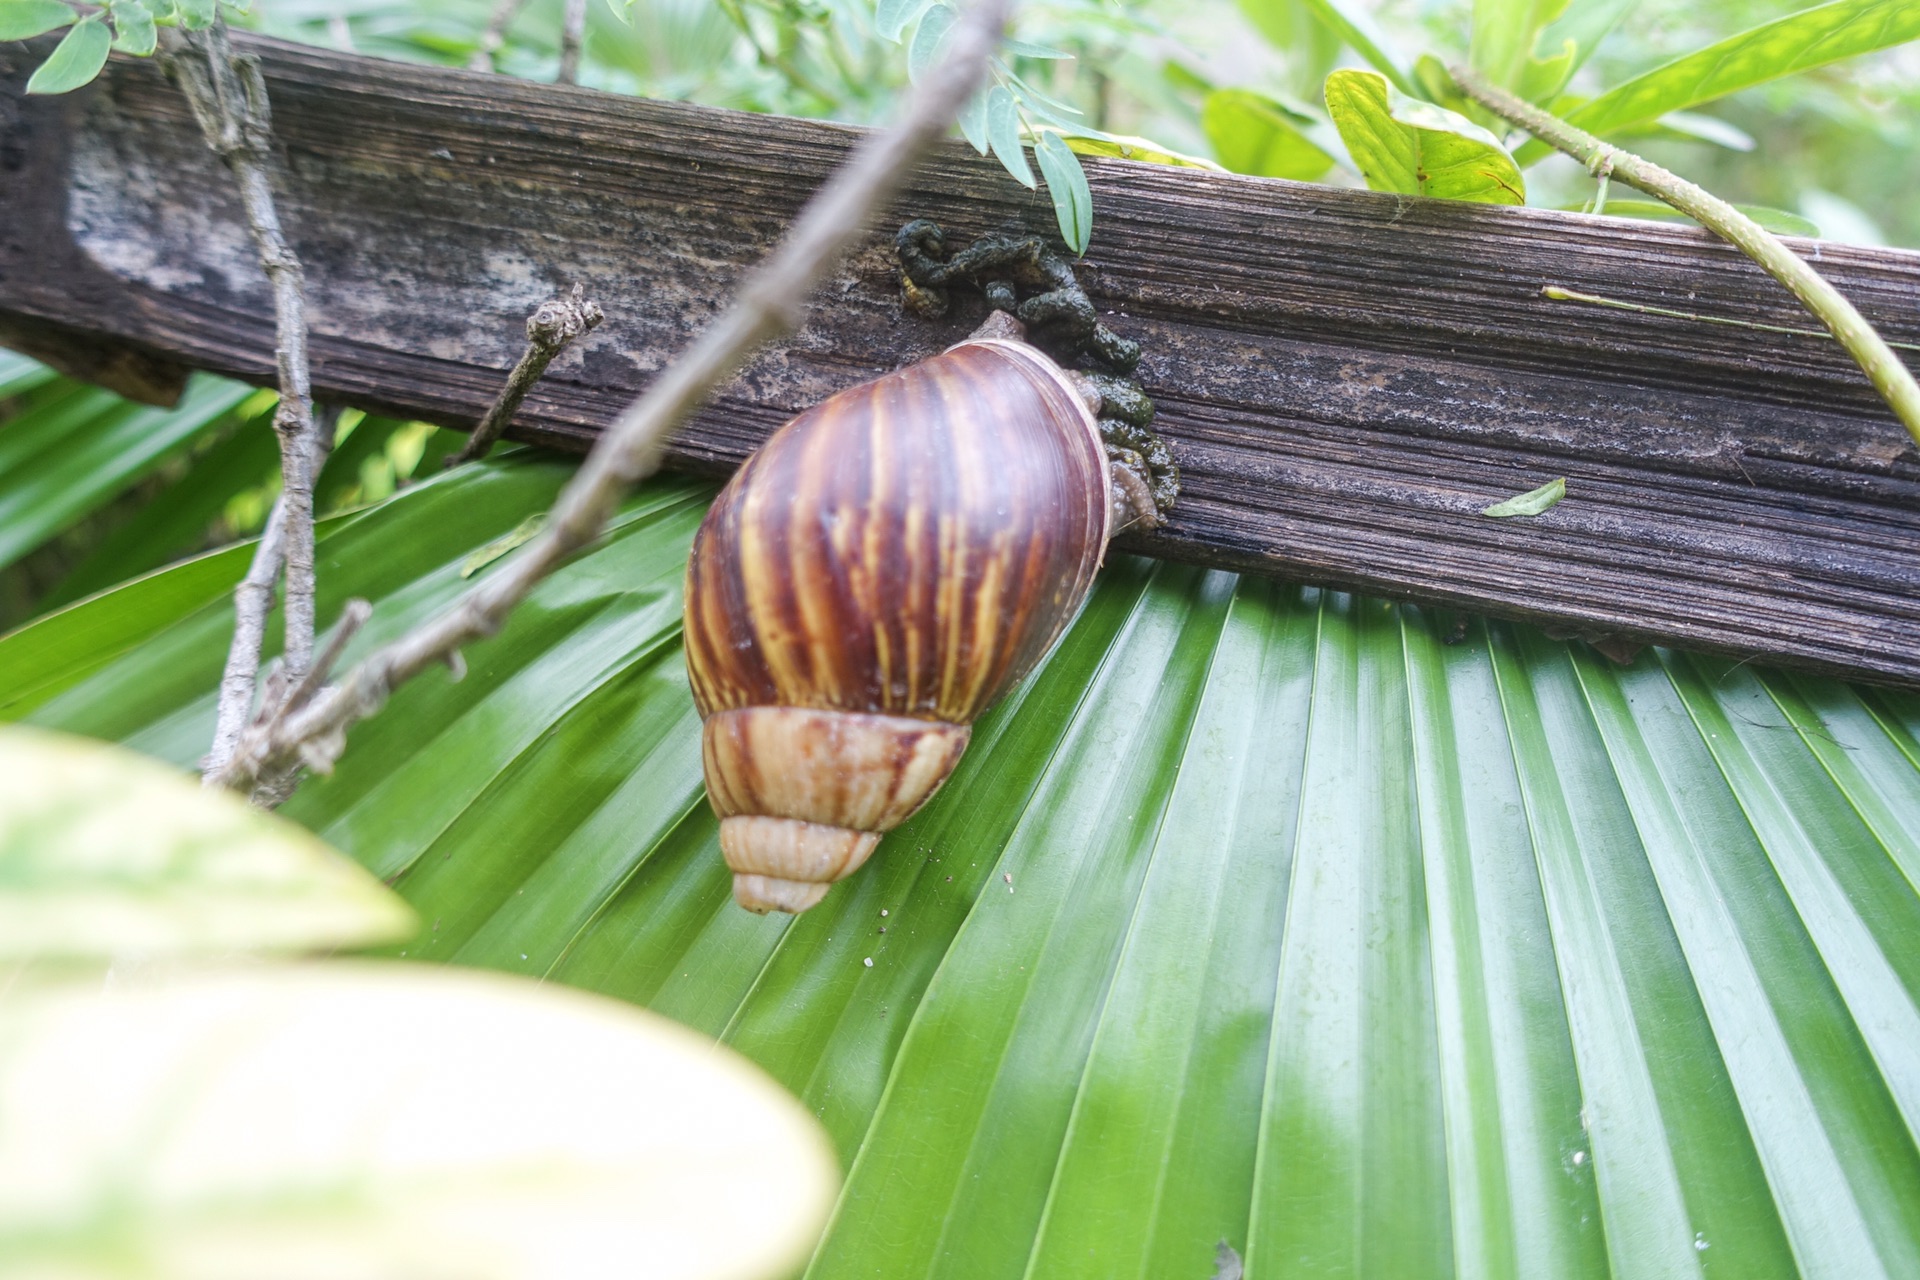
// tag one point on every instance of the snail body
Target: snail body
(881, 571)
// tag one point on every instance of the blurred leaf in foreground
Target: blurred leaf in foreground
(105, 853)
(358, 1121)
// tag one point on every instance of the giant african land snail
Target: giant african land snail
(891, 561)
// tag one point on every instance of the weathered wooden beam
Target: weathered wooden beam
(1346, 378)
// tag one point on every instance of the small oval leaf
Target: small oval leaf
(1530, 503)
(929, 39)
(195, 15)
(76, 60)
(21, 19)
(893, 16)
(973, 121)
(1003, 134)
(133, 29)
(1067, 184)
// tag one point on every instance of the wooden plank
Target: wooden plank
(1346, 378)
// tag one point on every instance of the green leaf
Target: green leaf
(196, 15)
(1067, 184)
(891, 17)
(62, 459)
(1564, 47)
(1504, 32)
(1798, 42)
(177, 520)
(133, 29)
(76, 60)
(105, 854)
(19, 375)
(1357, 30)
(1251, 133)
(21, 19)
(929, 38)
(1691, 124)
(1027, 49)
(504, 545)
(973, 121)
(1416, 148)
(1121, 146)
(1003, 135)
(1259, 913)
(390, 1120)
(1532, 502)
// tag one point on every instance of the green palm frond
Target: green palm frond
(1259, 914)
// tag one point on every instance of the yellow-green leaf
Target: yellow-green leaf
(22, 19)
(76, 60)
(1798, 42)
(1415, 148)
(1532, 502)
(1067, 184)
(367, 1120)
(1251, 133)
(104, 853)
(1123, 146)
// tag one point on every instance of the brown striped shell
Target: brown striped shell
(885, 567)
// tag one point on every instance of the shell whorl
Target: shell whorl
(899, 556)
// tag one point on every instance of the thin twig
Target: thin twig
(573, 34)
(1559, 294)
(1883, 368)
(557, 322)
(252, 602)
(229, 100)
(495, 35)
(772, 301)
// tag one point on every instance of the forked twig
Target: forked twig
(557, 322)
(772, 301)
(229, 100)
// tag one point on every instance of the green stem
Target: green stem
(1559, 294)
(1883, 368)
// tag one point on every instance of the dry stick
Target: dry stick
(495, 35)
(573, 34)
(557, 322)
(1559, 294)
(229, 100)
(252, 602)
(772, 301)
(1883, 368)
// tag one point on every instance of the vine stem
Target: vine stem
(229, 101)
(771, 301)
(1883, 368)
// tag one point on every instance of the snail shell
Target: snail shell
(886, 566)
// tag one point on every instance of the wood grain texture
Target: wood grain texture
(1346, 378)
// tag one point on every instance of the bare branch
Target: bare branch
(252, 602)
(573, 34)
(557, 322)
(1862, 341)
(772, 301)
(229, 100)
(495, 35)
